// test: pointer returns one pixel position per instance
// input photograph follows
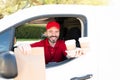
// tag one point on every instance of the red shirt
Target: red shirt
(52, 54)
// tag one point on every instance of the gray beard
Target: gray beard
(52, 41)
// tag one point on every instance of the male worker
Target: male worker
(54, 49)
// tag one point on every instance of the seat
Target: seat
(74, 33)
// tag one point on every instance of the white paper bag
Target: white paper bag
(31, 66)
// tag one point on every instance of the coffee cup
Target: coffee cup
(70, 44)
(84, 42)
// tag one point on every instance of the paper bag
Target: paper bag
(31, 66)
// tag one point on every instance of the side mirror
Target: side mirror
(8, 65)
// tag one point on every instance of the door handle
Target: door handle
(88, 76)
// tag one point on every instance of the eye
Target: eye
(50, 31)
(57, 31)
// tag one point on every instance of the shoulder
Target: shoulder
(61, 41)
(61, 44)
(39, 43)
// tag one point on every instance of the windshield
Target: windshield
(6, 40)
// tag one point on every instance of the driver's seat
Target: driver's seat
(73, 33)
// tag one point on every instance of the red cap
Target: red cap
(53, 24)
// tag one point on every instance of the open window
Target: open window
(33, 29)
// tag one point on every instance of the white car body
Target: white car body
(102, 60)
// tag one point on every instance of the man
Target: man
(55, 49)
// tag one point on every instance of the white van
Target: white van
(100, 24)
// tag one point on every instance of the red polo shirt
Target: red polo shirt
(52, 54)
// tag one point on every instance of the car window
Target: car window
(34, 30)
(6, 41)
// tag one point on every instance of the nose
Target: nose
(53, 33)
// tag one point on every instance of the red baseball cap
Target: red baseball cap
(53, 24)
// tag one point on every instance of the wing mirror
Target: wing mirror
(8, 65)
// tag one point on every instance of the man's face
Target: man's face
(53, 34)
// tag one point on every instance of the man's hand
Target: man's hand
(25, 48)
(74, 53)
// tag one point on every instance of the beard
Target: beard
(53, 39)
